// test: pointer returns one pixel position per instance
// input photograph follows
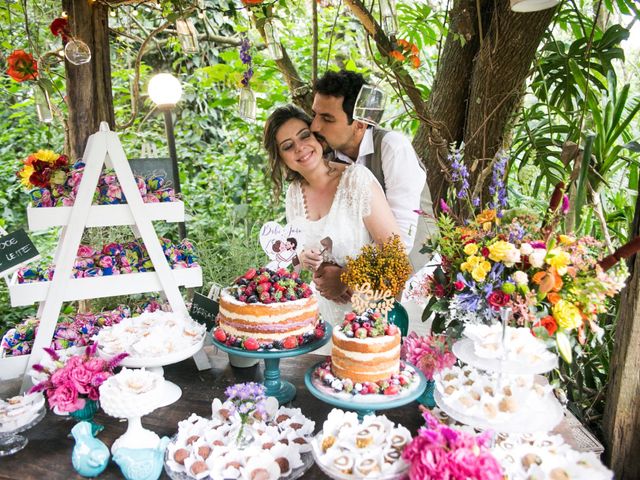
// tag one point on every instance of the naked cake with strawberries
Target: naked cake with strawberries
(268, 309)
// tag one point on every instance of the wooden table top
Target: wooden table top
(48, 454)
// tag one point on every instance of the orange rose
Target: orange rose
(22, 66)
(415, 61)
(486, 216)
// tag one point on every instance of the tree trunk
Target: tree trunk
(499, 72)
(622, 416)
(89, 95)
(447, 105)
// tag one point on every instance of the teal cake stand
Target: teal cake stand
(276, 387)
(363, 404)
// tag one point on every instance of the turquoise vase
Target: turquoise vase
(89, 456)
(400, 318)
(86, 414)
(426, 398)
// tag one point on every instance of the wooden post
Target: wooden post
(622, 411)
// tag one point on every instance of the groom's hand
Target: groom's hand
(328, 283)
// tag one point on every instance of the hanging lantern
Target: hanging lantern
(77, 52)
(247, 104)
(532, 5)
(43, 104)
(188, 35)
(388, 17)
(273, 40)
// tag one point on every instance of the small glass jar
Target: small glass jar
(273, 40)
(43, 104)
(188, 36)
(388, 17)
(247, 104)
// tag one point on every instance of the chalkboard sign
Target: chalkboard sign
(16, 248)
(149, 166)
(204, 310)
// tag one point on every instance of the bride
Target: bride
(338, 208)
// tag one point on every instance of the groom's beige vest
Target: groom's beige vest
(426, 225)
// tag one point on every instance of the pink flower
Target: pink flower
(95, 365)
(99, 378)
(65, 399)
(85, 251)
(60, 377)
(106, 262)
(94, 393)
(81, 378)
(114, 191)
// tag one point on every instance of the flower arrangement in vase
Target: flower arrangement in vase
(554, 283)
(248, 400)
(72, 384)
(440, 452)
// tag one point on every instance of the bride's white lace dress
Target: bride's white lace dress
(344, 224)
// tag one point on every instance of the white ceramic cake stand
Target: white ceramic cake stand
(133, 408)
(170, 392)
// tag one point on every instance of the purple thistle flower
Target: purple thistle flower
(444, 207)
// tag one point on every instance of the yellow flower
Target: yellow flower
(46, 156)
(486, 216)
(504, 252)
(470, 264)
(567, 239)
(559, 259)
(25, 174)
(471, 248)
(567, 315)
(480, 271)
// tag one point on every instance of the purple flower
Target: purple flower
(245, 57)
(444, 207)
(565, 204)
(497, 189)
(459, 174)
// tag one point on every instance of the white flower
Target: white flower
(511, 257)
(526, 249)
(336, 385)
(520, 277)
(536, 258)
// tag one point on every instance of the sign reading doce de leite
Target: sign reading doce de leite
(16, 248)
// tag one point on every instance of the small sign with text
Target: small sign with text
(16, 248)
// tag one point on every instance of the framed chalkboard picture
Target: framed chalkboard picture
(16, 249)
(151, 166)
(204, 310)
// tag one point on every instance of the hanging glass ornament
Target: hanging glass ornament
(188, 36)
(388, 17)
(43, 104)
(247, 104)
(77, 52)
(273, 40)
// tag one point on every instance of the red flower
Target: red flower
(59, 27)
(41, 179)
(22, 66)
(459, 285)
(547, 322)
(498, 299)
(249, 3)
(439, 291)
(485, 252)
(62, 161)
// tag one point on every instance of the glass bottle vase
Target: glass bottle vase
(247, 104)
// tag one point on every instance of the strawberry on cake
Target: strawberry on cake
(267, 309)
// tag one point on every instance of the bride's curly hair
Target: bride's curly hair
(279, 169)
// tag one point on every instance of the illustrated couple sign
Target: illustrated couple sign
(280, 244)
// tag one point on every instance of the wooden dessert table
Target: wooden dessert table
(48, 454)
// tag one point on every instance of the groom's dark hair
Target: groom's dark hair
(345, 84)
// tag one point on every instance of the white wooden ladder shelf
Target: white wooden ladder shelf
(103, 147)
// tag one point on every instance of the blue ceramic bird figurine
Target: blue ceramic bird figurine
(90, 456)
(141, 463)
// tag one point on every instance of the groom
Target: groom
(389, 155)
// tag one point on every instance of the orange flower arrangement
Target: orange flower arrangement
(22, 66)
